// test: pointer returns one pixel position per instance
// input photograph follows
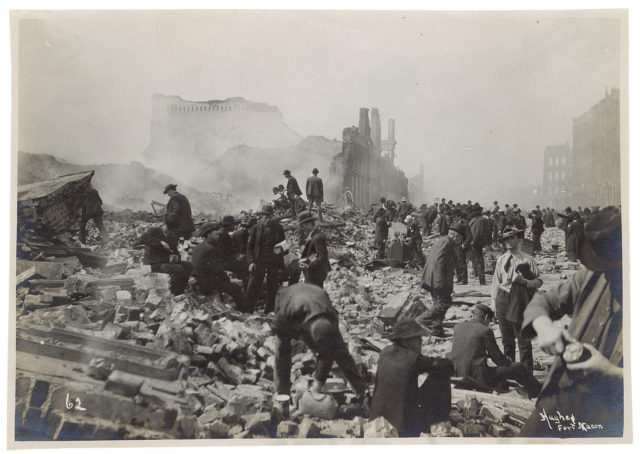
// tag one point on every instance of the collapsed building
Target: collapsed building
(366, 164)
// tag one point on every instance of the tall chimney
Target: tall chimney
(391, 136)
(364, 122)
(376, 133)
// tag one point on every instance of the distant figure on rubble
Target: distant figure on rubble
(315, 192)
(574, 235)
(549, 219)
(537, 228)
(263, 260)
(92, 209)
(404, 210)
(380, 218)
(280, 201)
(305, 311)
(443, 220)
(292, 189)
(462, 251)
(437, 279)
(430, 215)
(179, 206)
(210, 259)
(299, 204)
(474, 342)
(161, 253)
(482, 233)
(515, 280)
(411, 410)
(314, 260)
(414, 239)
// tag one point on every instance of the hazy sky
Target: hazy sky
(475, 96)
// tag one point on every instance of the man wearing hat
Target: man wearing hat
(305, 311)
(263, 260)
(315, 192)
(210, 259)
(574, 235)
(591, 388)
(404, 210)
(381, 220)
(437, 279)
(511, 291)
(474, 343)
(179, 206)
(161, 253)
(481, 232)
(461, 251)
(292, 189)
(537, 228)
(314, 260)
(411, 410)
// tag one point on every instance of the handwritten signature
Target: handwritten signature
(563, 423)
(78, 405)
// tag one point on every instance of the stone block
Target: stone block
(124, 383)
(259, 423)
(210, 414)
(326, 408)
(494, 414)
(308, 428)
(379, 428)
(287, 429)
(186, 426)
(471, 429)
(218, 429)
(441, 429)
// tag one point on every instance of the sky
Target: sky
(476, 96)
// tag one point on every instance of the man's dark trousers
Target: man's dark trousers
(510, 332)
(178, 275)
(432, 318)
(477, 258)
(461, 264)
(254, 285)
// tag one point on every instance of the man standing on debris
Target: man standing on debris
(430, 216)
(92, 209)
(305, 311)
(209, 260)
(263, 260)
(461, 252)
(404, 210)
(482, 232)
(179, 206)
(537, 228)
(292, 189)
(411, 410)
(589, 386)
(549, 219)
(515, 279)
(382, 229)
(161, 253)
(474, 342)
(574, 236)
(314, 260)
(414, 238)
(437, 279)
(315, 192)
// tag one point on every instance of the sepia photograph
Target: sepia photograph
(299, 227)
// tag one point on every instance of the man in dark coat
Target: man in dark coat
(462, 251)
(574, 236)
(481, 231)
(548, 219)
(315, 192)
(263, 260)
(179, 206)
(292, 189)
(382, 230)
(537, 228)
(474, 342)
(414, 238)
(411, 410)
(92, 209)
(404, 209)
(305, 311)
(437, 279)
(314, 260)
(210, 259)
(161, 253)
(430, 215)
(590, 388)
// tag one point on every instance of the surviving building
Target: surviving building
(556, 175)
(365, 166)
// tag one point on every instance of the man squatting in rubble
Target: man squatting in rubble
(92, 209)
(411, 410)
(161, 253)
(590, 387)
(210, 259)
(305, 311)
(515, 279)
(437, 278)
(179, 206)
(263, 260)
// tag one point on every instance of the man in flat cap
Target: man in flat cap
(474, 342)
(411, 410)
(314, 260)
(161, 253)
(292, 189)
(315, 192)
(210, 259)
(437, 279)
(179, 206)
(263, 260)
(590, 387)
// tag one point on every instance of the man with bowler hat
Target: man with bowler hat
(437, 279)
(263, 260)
(591, 388)
(411, 410)
(179, 206)
(315, 192)
(292, 189)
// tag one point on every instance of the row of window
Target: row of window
(557, 161)
(208, 107)
(555, 175)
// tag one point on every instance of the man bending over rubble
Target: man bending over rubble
(305, 311)
(411, 410)
(161, 253)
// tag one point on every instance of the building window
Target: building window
(562, 174)
(564, 161)
(550, 162)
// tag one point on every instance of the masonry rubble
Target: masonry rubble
(214, 364)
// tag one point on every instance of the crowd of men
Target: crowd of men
(257, 254)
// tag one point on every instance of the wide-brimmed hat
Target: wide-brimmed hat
(208, 227)
(228, 221)
(305, 216)
(406, 329)
(266, 209)
(602, 246)
(169, 187)
(458, 227)
(510, 231)
(286, 172)
(315, 170)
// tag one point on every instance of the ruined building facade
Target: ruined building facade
(556, 175)
(365, 166)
